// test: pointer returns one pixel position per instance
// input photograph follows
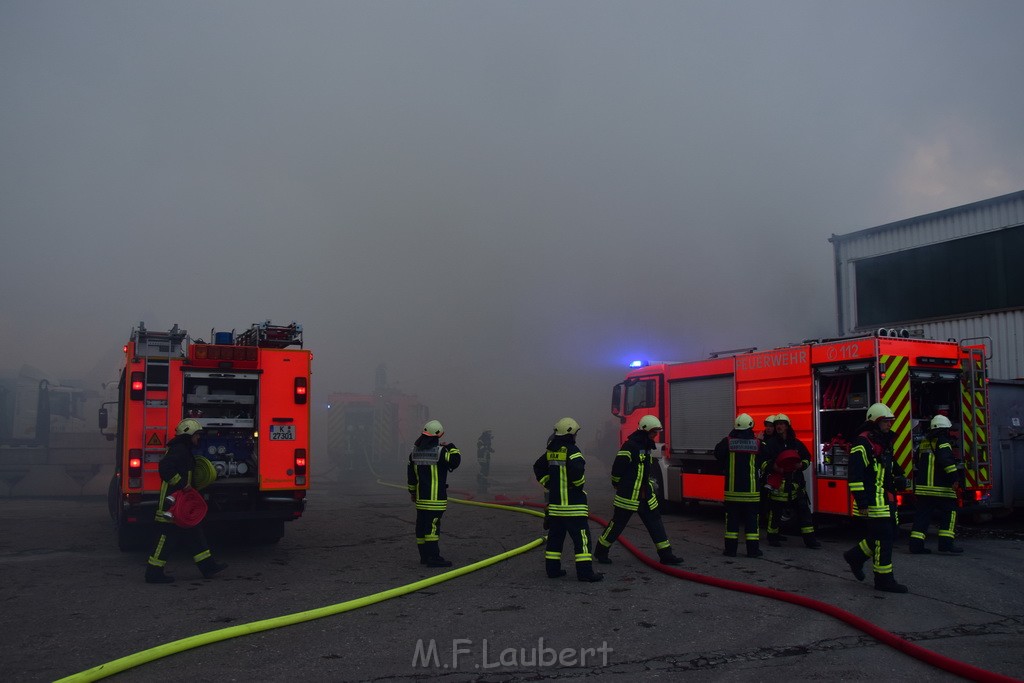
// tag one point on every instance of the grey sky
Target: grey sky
(503, 201)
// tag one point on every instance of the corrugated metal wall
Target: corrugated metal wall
(1006, 329)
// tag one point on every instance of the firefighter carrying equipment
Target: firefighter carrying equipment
(937, 473)
(188, 426)
(204, 473)
(566, 426)
(188, 508)
(741, 455)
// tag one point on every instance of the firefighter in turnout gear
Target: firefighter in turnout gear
(937, 475)
(429, 464)
(560, 469)
(788, 457)
(741, 455)
(874, 488)
(634, 492)
(176, 469)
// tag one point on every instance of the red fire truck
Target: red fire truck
(825, 387)
(251, 393)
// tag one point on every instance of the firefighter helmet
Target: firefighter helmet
(744, 421)
(941, 422)
(879, 411)
(188, 426)
(782, 417)
(565, 426)
(649, 423)
(770, 419)
(433, 428)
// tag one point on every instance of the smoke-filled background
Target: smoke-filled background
(504, 202)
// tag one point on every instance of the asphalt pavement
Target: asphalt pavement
(72, 601)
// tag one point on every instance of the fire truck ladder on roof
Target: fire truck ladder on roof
(268, 336)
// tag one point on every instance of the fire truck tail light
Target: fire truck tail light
(977, 495)
(300, 390)
(135, 468)
(300, 462)
(138, 385)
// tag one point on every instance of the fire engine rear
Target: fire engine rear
(249, 391)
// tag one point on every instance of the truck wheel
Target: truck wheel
(114, 498)
(264, 532)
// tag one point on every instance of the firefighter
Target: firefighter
(937, 475)
(788, 457)
(634, 492)
(176, 469)
(874, 488)
(769, 429)
(741, 455)
(483, 459)
(429, 464)
(560, 469)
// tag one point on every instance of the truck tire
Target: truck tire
(264, 531)
(131, 537)
(114, 498)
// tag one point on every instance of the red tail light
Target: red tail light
(300, 461)
(300, 390)
(135, 468)
(138, 384)
(977, 495)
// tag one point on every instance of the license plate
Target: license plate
(282, 432)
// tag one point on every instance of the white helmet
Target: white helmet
(770, 419)
(433, 428)
(782, 417)
(649, 423)
(188, 426)
(744, 421)
(879, 411)
(566, 425)
(941, 422)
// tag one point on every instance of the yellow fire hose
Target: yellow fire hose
(154, 653)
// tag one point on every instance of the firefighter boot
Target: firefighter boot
(665, 556)
(917, 547)
(811, 541)
(601, 553)
(775, 540)
(887, 583)
(585, 572)
(855, 558)
(948, 547)
(438, 561)
(423, 552)
(210, 567)
(730, 547)
(156, 575)
(754, 549)
(554, 569)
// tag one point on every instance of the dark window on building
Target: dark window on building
(963, 276)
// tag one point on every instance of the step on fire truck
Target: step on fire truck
(249, 391)
(825, 387)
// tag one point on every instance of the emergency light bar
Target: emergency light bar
(639, 364)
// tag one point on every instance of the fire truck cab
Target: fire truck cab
(250, 392)
(825, 388)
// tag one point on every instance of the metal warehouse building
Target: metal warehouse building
(953, 274)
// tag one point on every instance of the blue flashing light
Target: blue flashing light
(638, 364)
